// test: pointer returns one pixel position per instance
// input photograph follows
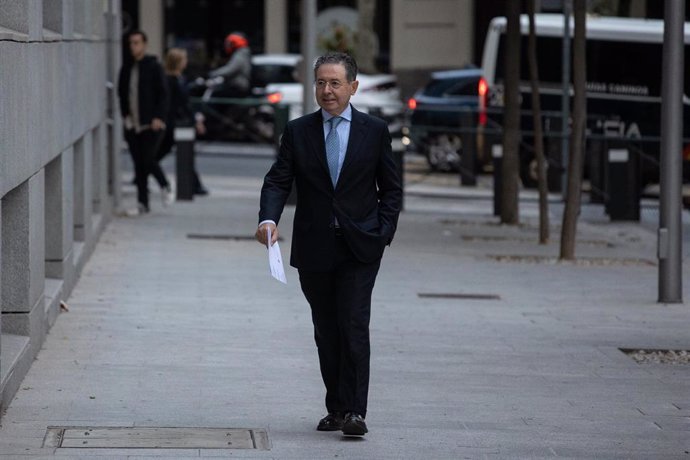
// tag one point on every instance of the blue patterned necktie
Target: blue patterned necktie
(333, 148)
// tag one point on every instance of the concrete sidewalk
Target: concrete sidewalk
(170, 331)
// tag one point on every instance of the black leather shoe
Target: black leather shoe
(354, 425)
(332, 422)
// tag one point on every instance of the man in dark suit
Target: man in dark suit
(349, 195)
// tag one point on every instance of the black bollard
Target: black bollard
(623, 182)
(184, 162)
(597, 170)
(497, 154)
(468, 157)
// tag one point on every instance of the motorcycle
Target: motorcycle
(249, 118)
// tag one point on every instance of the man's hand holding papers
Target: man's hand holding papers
(275, 260)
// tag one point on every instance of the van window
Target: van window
(439, 87)
(464, 88)
(632, 69)
(617, 68)
(549, 51)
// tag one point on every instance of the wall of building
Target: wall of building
(428, 35)
(58, 167)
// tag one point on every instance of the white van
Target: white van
(623, 89)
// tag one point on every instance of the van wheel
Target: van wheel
(443, 152)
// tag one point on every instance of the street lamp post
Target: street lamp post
(670, 230)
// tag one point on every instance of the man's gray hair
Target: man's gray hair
(338, 58)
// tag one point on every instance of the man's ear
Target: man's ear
(354, 85)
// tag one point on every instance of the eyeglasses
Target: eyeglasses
(334, 84)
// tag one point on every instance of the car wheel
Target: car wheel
(443, 152)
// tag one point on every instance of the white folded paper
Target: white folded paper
(275, 261)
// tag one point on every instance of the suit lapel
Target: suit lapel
(357, 134)
(317, 141)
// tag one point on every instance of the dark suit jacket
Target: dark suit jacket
(366, 200)
(153, 93)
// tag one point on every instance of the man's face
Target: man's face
(333, 91)
(137, 46)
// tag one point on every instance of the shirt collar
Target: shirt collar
(347, 114)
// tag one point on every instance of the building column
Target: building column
(67, 19)
(275, 26)
(59, 212)
(23, 259)
(83, 188)
(101, 198)
(35, 19)
(114, 121)
(97, 173)
(106, 201)
(58, 17)
(429, 35)
(151, 21)
(2, 366)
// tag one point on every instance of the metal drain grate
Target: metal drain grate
(454, 295)
(222, 237)
(155, 438)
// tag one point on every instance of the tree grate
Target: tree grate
(457, 295)
(654, 356)
(524, 239)
(580, 261)
(73, 437)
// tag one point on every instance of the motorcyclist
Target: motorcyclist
(237, 71)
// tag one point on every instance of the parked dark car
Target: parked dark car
(442, 114)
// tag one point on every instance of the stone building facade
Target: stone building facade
(59, 132)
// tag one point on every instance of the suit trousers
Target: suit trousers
(143, 147)
(340, 302)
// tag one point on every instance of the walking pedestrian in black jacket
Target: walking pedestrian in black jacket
(144, 105)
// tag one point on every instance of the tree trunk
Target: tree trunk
(577, 139)
(538, 132)
(511, 117)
